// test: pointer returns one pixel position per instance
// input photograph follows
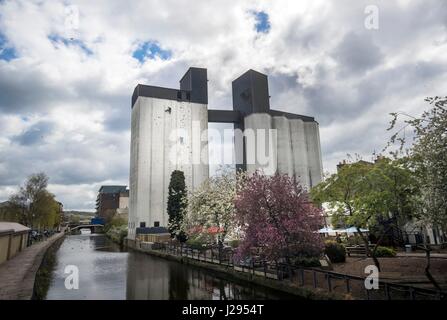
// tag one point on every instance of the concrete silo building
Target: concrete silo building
(168, 132)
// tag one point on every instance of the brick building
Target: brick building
(110, 200)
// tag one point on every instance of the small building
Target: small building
(112, 200)
(13, 239)
(152, 234)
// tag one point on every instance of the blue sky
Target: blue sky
(7, 53)
(262, 22)
(58, 40)
(66, 87)
(150, 50)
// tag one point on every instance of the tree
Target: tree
(177, 203)
(75, 219)
(277, 218)
(34, 205)
(427, 158)
(210, 212)
(364, 195)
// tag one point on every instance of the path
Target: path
(18, 274)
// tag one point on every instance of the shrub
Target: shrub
(354, 241)
(385, 252)
(335, 251)
(306, 262)
(234, 243)
(196, 244)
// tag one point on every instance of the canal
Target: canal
(107, 272)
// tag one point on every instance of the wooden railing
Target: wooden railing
(330, 281)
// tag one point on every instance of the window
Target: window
(143, 224)
(156, 223)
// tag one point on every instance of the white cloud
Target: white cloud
(321, 61)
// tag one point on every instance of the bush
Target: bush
(385, 252)
(234, 243)
(196, 244)
(306, 262)
(354, 241)
(335, 251)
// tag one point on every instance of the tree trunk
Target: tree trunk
(220, 245)
(368, 250)
(380, 240)
(428, 274)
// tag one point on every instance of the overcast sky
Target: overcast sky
(66, 83)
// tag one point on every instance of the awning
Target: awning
(348, 230)
(326, 230)
(354, 230)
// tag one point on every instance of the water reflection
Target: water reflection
(102, 269)
(108, 273)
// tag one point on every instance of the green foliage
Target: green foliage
(335, 251)
(75, 219)
(427, 158)
(116, 222)
(362, 194)
(44, 274)
(177, 204)
(196, 243)
(354, 241)
(117, 233)
(307, 262)
(385, 252)
(34, 205)
(234, 243)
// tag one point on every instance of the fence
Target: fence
(329, 281)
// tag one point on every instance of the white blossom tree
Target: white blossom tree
(210, 213)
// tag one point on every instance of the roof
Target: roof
(152, 230)
(12, 226)
(112, 189)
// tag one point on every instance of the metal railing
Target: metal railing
(329, 281)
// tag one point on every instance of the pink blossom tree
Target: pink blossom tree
(277, 218)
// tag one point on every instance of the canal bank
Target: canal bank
(107, 271)
(18, 275)
(230, 273)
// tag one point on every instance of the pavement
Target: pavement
(421, 255)
(406, 268)
(17, 275)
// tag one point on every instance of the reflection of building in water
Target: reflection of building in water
(160, 279)
(146, 281)
(150, 278)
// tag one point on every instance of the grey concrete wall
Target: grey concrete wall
(284, 142)
(258, 144)
(298, 150)
(312, 133)
(156, 151)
